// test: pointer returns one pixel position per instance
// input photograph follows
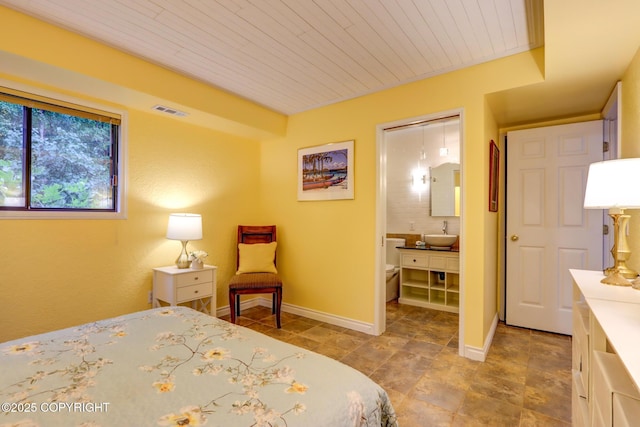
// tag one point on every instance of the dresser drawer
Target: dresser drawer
(201, 290)
(609, 378)
(580, 361)
(626, 410)
(196, 277)
(411, 260)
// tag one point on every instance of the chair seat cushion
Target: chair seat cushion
(255, 280)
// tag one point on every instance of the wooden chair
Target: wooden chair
(255, 282)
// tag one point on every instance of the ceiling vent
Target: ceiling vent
(170, 110)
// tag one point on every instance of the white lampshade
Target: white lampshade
(613, 184)
(184, 226)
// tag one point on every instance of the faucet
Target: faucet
(444, 227)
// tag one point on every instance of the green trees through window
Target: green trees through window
(56, 158)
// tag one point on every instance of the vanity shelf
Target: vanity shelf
(430, 279)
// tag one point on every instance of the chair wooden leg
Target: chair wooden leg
(238, 305)
(273, 303)
(278, 305)
(232, 306)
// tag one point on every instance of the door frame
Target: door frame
(612, 117)
(379, 323)
(611, 112)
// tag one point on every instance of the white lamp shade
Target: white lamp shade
(184, 226)
(613, 184)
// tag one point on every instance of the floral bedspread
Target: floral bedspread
(174, 366)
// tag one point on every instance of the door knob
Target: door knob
(514, 237)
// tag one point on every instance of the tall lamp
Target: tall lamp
(184, 227)
(613, 185)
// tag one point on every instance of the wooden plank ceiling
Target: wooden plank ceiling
(294, 55)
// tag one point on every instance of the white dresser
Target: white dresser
(606, 352)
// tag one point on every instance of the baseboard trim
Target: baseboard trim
(345, 322)
(332, 319)
(247, 303)
(471, 352)
(480, 354)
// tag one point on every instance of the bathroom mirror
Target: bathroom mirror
(445, 190)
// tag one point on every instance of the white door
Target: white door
(548, 231)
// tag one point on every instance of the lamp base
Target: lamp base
(623, 270)
(614, 277)
(629, 273)
(619, 274)
(183, 259)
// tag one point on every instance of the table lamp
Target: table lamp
(613, 185)
(184, 227)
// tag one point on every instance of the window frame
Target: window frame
(54, 98)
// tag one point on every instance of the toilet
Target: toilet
(393, 267)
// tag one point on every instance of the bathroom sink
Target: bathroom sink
(443, 240)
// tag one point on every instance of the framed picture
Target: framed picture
(325, 172)
(494, 174)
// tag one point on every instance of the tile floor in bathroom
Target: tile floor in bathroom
(525, 381)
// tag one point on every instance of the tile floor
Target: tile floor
(525, 381)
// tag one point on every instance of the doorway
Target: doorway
(432, 145)
(548, 231)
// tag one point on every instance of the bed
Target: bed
(174, 366)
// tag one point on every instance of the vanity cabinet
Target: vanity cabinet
(430, 279)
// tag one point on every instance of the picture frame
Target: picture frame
(494, 176)
(325, 172)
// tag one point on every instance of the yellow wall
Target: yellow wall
(630, 134)
(60, 273)
(57, 273)
(331, 245)
(491, 238)
(630, 145)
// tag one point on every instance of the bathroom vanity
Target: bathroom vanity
(429, 278)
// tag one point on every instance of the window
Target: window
(57, 157)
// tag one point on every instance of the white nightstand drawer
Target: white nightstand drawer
(411, 260)
(195, 277)
(172, 286)
(188, 293)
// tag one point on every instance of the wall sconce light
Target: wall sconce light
(419, 179)
(184, 227)
(611, 185)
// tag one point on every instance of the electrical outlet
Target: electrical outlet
(150, 299)
(411, 226)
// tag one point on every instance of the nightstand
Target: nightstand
(173, 285)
